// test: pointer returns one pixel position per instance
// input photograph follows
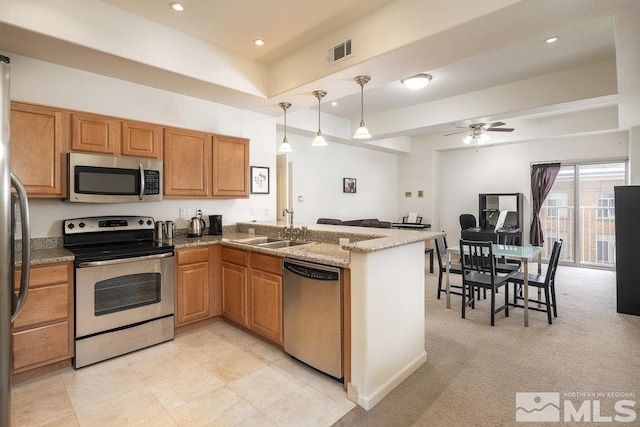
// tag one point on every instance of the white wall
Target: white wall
(318, 174)
(458, 176)
(50, 84)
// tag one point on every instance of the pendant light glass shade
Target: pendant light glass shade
(285, 147)
(362, 132)
(319, 140)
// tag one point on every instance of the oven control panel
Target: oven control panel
(111, 223)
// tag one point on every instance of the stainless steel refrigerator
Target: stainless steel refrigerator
(10, 303)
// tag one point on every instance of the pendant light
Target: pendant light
(285, 147)
(319, 140)
(362, 132)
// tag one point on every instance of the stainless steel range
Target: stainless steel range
(124, 286)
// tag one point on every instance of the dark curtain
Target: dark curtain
(542, 179)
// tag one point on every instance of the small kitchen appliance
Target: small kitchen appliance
(196, 225)
(215, 225)
(124, 286)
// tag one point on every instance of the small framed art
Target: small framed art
(349, 185)
(259, 180)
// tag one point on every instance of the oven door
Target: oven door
(119, 293)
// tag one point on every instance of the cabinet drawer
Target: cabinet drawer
(235, 256)
(268, 263)
(189, 256)
(46, 275)
(44, 304)
(41, 345)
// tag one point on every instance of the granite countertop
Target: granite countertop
(324, 242)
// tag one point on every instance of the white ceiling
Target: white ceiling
(467, 46)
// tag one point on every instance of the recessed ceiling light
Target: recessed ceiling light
(258, 42)
(178, 7)
(334, 103)
(552, 39)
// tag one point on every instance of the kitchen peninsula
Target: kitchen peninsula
(386, 269)
(384, 299)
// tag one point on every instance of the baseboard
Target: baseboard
(368, 402)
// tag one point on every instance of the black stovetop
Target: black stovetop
(108, 238)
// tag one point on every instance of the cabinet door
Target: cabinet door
(95, 134)
(234, 292)
(141, 139)
(193, 302)
(186, 163)
(230, 167)
(39, 136)
(265, 305)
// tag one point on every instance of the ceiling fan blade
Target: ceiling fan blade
(457, 132)
(499, 129)
(496, 124)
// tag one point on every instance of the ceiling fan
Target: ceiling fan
(477, 131)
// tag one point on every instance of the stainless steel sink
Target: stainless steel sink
(270, 242)
(258, 240)
(283, 244)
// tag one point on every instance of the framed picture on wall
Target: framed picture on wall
(259, 180)
(349, 185)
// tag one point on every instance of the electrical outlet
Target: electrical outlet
(266, 211)
(184, 213)
(253, 211)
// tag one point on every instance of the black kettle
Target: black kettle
(196, 225)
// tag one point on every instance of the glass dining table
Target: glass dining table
(519, 253)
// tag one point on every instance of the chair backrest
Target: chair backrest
(330, 221)
(467, 221)
(476, 256)
(441, 248)
(509, 239)
(553, 262)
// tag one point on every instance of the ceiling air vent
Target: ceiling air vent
(339, 52)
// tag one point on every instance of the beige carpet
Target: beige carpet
(474, 370)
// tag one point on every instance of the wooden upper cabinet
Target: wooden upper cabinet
(95, 134)
(186, 164)
(141, 139)
(39, 136)
(230, 167)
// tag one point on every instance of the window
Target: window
(557, 205)
(605, 249)
(606, 206)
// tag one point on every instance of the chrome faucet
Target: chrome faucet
(290, 212)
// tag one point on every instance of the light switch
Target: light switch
(301, 198)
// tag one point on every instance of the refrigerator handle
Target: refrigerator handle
(18, 302)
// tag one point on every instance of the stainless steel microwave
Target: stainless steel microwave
(109, 179)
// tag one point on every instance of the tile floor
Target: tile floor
(215, 376)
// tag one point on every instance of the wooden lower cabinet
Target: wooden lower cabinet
(234, 277)
(43, 332)
(252, 292)
(265, 296)
(195, 285)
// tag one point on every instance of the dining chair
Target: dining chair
(504, 265)
(441, 251)
(546, 283)
(467, 221)
(478, 272)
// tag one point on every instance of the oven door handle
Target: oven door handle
(123, 260)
